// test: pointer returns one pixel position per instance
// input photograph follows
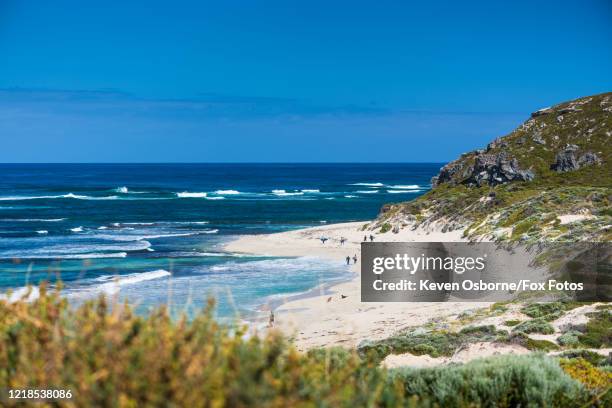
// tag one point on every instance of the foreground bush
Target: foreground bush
(108, 357)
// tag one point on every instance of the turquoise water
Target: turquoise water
(154, 234)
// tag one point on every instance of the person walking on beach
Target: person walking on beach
(355, 258)
(348, 260)
(365, 238)
(271, 320)
(323, 239)
(371, 238)
(342, 240)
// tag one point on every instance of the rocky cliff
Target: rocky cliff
(551, 178)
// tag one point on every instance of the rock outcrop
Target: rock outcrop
(493, 169)
(568, 159)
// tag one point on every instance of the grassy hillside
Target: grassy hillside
(558, 162)
(109, 357)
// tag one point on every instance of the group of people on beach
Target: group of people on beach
(365, 238)
(348, 259)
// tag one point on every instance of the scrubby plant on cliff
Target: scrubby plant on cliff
(107, 356)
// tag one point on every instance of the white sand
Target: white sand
(328, 319)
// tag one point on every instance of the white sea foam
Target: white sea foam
(284, 193)
(42, 232)
(93, 255)
(122, 190)
(186, 194)
(367, 184)
(406, 187)
(313, 190)
(215, 198)
(227, 192)
(34, 220)
(366, 191)
(402, 191)
(77, 229)
(350, 196)
(110, 284)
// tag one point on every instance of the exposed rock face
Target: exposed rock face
(568, 159)
(497, 169)
(447, 172)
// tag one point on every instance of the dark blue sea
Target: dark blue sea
(154, 233)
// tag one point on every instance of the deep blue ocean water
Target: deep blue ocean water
(153, 233)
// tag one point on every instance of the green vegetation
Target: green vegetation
(534, 381)
(548, 311)
(511, 323)
(534, 326)
(107, 356)
(386, 227)
(598, 330)
(592, 357)
(434, 343)
(524, 340)
(569, 338)
(594, 379)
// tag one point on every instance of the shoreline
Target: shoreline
(332, 314)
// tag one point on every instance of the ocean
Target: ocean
(154, 233)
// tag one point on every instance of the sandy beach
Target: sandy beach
(335, 316)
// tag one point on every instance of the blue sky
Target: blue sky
(286, 81)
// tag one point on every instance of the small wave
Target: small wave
(227, 192)
(93, 255)
(186, 194)
(102, 227)
(367, 184)
(366, 191)
(77, 229)
(34, 220)
(329, 198)
(402, 191)
(350, 196)
(284, 193)
(406, 187)
(215, 198)
(312, 190)
(111, 284)
(122, 190)
(85, 197)
(42, 232)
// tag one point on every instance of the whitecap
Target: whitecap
(284, 193)
(406, 187)
(215, 198)
(402, 191)
(34, 220)
(93, 255)
(122, 190)
(227, 192)
(42, 232)
(111, 284)
(367, 184)
(313, 190)
(77, 229)
(350, 196)
(366, 191)
(186, 194)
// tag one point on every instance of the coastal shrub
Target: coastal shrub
(590, 356)
(511, 323)
(435, 343)
(598, 330)
(549, 311)
(530, 381)
(534, 326)
(594, 379)
(569, 338)
(386, 227)
(524, 340)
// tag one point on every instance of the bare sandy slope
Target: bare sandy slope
(336, 316)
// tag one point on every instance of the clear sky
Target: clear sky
(285, 81)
